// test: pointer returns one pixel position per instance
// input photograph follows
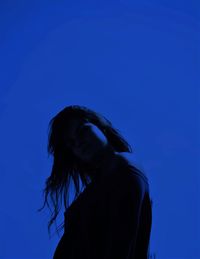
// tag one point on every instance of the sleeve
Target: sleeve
(124, 206)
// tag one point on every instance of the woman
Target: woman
(111, 218)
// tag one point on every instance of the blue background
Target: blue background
(133, 61)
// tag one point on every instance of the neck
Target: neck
(102, 163)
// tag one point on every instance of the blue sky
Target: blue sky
(136, 63)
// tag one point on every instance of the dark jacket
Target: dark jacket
(110, 219)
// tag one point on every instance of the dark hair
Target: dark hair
(66, 165)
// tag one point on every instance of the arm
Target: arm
(124, 201)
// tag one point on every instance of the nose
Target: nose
(78, 143)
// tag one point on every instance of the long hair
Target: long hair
(66, 165)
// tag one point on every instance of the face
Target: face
(84, 139)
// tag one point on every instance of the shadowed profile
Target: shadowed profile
(112, 217)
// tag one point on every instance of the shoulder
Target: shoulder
(124, 182)
(127, 181)
(129, 175)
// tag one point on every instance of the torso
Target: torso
(87, 213)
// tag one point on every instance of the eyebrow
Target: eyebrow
(81, 125)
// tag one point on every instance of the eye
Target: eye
(83, 128)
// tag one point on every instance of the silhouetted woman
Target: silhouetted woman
(111, 218)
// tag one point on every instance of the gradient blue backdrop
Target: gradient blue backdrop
(136, 63)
